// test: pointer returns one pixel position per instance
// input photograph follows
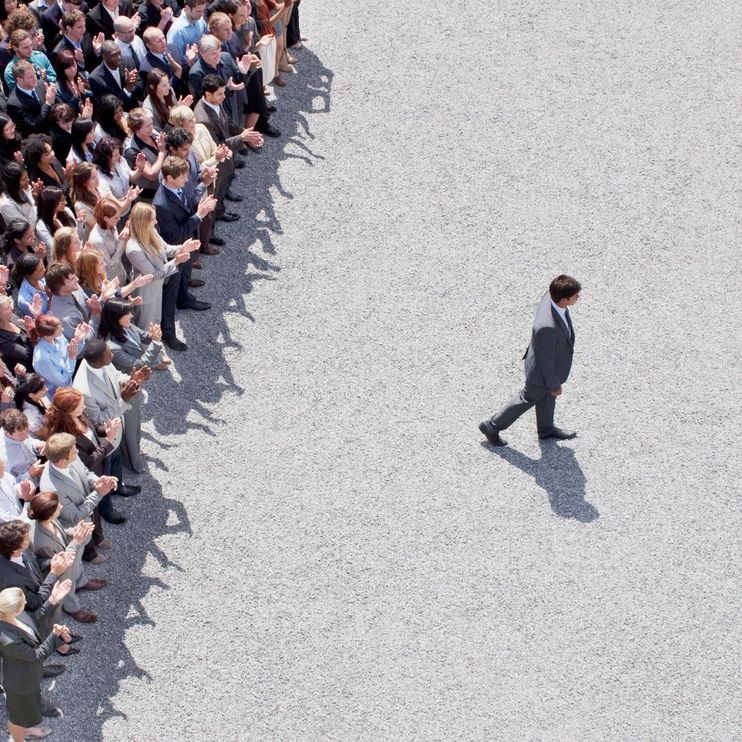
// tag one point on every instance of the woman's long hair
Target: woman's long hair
(106, 114)
(86, 268)
(80, 178)
(81, 128)
(49, 199)
(110, 319)
(14, 230)
(59, 418)
(142, 229)
(154, 77)
(13, 172)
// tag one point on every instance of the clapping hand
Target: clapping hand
(94, 304)
(190, 245)
(36, 305)
(252, 137)
(143, 280)
(87, 109)
(109, 288)
(19, 370)
(223, 153)
(232, 85)
(62, 632)
(186, 100)
(133, 191)
(112, 428)
(155, 331)
(97, 43)
(131, 77)
(36, 187)
(103, 485)
(26, 488)
(191, 53)
(81, 531)
(40, 250)
(60, 591)
(7, 395)
(50, 95)
(4, 273)
(81, 331)
(61, 562)
(141, 375)
(208, 175)
(140, 163)
(129, 389)
(206, 205)
(36, 469)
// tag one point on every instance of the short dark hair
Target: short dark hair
(94, 350)
(12, 536)
(562, 287)
(56, 275)
(174, 167)
(13, 421)
(212, 83)
(177, 138)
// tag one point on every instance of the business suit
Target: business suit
(151, 62)
(23, 654)
(46, 543)
(226, 69)
(90, 59)
(548, 360)
(75, 488)
(104, 82)
(29, 114)
(29, 578)
(176, 223)
(99, 19)
(137, 349)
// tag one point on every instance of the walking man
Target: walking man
(548, 360)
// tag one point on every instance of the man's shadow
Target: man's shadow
(559, 473)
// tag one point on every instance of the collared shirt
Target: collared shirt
(40, 62)
(52, 362)
(19, 456)
(136, 45)
(75, 44)
(31, 93)
(185, 32)
(26, 294)
(562, 312)
(10, 505)
(218, 109)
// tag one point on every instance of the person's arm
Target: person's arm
(44, 365)
(72, 513)
(544, 351)
(142, 265)
(22, 652)
(51, 74)
(173, 231)
(36, 599)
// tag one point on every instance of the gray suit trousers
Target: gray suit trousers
(530, 395)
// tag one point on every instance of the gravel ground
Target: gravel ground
(325, 548)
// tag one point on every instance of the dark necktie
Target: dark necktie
(134, 56)
(35, 96)
(569, 324)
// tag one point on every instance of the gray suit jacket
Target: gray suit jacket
(77, 495)
(137, 350)
(549, 354)
(46, 544)
(102, 401)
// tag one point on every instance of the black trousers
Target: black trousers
(531, 395)
(256, 102)
(293, 34)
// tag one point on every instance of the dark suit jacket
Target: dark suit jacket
(151, 15)
(23, 657)
(29, 115)
(221, 128)
(99, 20)
(102, 82)
(36, 589)
(151, 62)
(175, 222)
(92, 60)
(50, 26)
(549, 354)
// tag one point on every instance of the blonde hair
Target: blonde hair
(12, 601)
(87, 269)
(180, 115)
(61, 244)
(5, 301)
(142, 229)
(59, 446)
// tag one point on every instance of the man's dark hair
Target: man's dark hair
(562, 287)
(212, 83)
(56, 275)
(193, 3)
(94, 350)
(174, 167)
(177, 138)
(12, 535)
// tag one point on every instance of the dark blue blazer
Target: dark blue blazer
(175, 222)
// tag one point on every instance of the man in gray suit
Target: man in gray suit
(548, 360)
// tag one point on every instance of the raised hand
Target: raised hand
(26, 489)
(87, 109)
(129, 389)
(81, 531)
(103, 485)
(61, 562)
(155, 331)
(97, 43)
(232, 85)
(36, 305)
(60, 591)
(19, 371)
(112, 428)
(94, 304)
(186, 100)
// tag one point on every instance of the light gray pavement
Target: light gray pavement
(328, 550)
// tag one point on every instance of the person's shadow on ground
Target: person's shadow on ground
(559, 473)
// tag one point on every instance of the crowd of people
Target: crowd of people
(121, 128)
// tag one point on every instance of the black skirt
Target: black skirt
(24, 710)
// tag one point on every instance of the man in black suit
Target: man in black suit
(111, 78)
(101, 17)
(548, 360)
(164, 57)
(75, 38)
(158, 14)
(178, 219)
(210, 112)
(31, 99)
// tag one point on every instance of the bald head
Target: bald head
(123, 26)
(154, 40)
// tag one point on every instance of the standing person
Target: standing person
(23, 652)
(548, 360)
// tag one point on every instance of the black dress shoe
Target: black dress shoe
(196, 283)
(114, 517)
(230, 195)
(270, 131)
(493, 436)
(559, 434)
(239, 163)
(271, 108)
(196, 305)
(128, 490)
(173, 343)
(217, 241)
(51, 671)
(73, 638)
(228, 216)
(49, 711)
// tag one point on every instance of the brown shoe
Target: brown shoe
(210, 250)
(83, 616)
(278, 80)
(196, 264)
(93, 585)
(99, 559)
(104, 543)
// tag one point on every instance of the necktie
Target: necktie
(134, 57)
(569, 324)
(182, 197)
(35, 96)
